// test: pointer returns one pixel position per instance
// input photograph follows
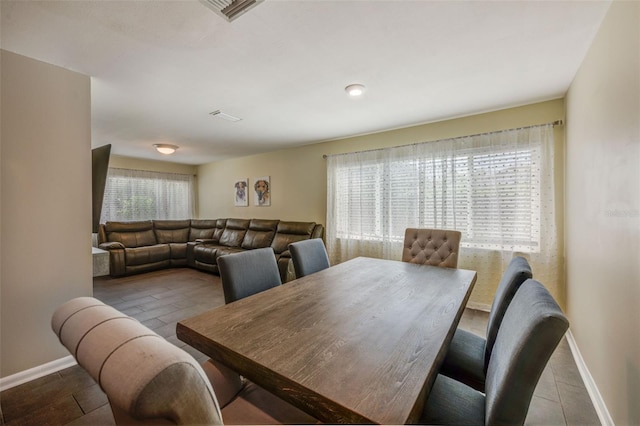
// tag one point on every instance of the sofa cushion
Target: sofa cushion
(260, 233)
(149, 254)
(178, 251)
(172, 224)
(204, 266)
(172, 231)
(290, 232)
(201, 229)
(223, 251)
(166, 236)
(205, 253)
(234, 232)
(131, 234)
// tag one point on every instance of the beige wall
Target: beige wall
(298, 175)
(603, 210)
(46, 205)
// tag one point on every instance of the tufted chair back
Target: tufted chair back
(436, 247)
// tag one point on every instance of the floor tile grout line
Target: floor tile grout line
(79, 406)
(555, 384)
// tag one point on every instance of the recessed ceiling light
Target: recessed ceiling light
(355, 89)
(165, 149)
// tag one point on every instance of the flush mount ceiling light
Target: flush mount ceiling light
(355, 90)
(165, 149)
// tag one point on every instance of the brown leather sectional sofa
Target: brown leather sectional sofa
(143, 246)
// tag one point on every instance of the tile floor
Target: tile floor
(160, 299)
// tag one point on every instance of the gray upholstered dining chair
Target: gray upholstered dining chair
(531, 329)
(437, 247)
(468, 356)
(148, 380)
(249, 272)
(308, 256)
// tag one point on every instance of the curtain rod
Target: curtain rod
(553, 123)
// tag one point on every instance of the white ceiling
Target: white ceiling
(159, 68)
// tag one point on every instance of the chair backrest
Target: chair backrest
(531, 329)
(249, 272)
(516, 273)
(309, 256)
(146, 378)
(437, 247)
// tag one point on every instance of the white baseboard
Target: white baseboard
(36, 372)
(590, 384)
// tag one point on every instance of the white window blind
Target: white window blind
(498, 189)
(143, 195)
(491, 195)
(486, 186)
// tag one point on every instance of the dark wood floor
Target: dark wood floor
(160, 299)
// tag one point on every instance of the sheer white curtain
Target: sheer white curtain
(496, 188)
(142, 195)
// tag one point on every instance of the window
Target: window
(497, 188)
(486, 186)
(141, 195)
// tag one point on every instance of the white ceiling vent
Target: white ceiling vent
(230, 9)
(224, 116)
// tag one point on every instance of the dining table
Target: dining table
(359, 342)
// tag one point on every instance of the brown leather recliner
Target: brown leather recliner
(287, 233)
(133, 247)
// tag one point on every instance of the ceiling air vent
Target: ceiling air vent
(224, 116)
(230, 9)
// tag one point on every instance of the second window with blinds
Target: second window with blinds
(142, 195)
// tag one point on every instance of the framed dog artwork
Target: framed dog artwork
(241, 192)
(262, 189)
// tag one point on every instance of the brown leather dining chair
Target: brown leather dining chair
(436, 247)
(150, 381)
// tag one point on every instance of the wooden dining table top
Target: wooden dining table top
(360, 342)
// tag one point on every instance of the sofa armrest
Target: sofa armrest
(206, 241)
(285, 255)
(285, 267)
(117, 259)
(318, 231)
(113, 245)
